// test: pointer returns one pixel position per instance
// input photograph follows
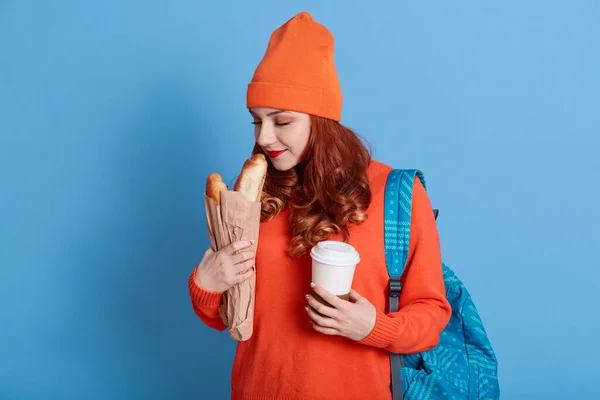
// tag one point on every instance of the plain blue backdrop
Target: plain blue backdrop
(112, 114)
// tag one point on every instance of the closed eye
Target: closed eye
(276, 124)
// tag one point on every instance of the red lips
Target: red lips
(275, 154)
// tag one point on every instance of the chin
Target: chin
(283, 165)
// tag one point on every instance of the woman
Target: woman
(321, 184)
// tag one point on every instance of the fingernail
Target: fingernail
(306, 308)
(307, 297)
(312, 285)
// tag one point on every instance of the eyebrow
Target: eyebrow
(271, 113)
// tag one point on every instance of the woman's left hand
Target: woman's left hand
(353, 319)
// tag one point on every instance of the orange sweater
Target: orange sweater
(287, 359)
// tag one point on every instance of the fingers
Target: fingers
(241, 257)
(241, 277)
(322, 308)
(355, 296)
(243, 266)
(323, 322)
(329, 297)
(237, 246)
(325, 331)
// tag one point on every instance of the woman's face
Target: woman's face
(283, 135)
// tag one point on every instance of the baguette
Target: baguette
(214, 187)
(252, 178)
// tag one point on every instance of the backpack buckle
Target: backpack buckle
(394, 287)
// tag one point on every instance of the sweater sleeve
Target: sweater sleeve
(423, 309)
(206, 304)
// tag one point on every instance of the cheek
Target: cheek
(297, 139)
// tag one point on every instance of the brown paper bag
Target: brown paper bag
(234, 220)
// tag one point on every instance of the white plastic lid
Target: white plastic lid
(335, 253)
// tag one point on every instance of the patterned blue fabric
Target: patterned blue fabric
(463, 365)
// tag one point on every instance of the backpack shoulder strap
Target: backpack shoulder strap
(398, 211)
(397, 216)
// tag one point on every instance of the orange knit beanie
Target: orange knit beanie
(297, 72)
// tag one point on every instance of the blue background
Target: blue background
(112, 113)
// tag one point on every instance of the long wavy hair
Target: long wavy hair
(327, 191)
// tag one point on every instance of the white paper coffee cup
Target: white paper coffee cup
(333, 266)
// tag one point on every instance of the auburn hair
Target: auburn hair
(327, 191)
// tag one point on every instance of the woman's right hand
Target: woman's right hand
(218, 271)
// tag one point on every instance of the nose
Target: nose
(265, 135)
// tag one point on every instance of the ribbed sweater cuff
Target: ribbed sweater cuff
(384, 333)
(201, 297)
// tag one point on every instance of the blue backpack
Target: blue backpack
(463, 365)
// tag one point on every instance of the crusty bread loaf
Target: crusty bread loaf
(252, 178)
(214, 187)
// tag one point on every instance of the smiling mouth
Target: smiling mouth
(275, 154)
